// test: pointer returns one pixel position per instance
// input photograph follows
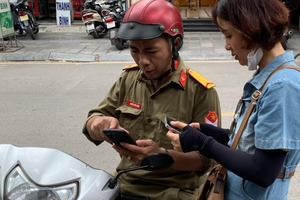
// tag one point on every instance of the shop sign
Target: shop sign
(6, 21)
(63, 12)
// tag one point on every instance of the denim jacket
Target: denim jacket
(273, 124)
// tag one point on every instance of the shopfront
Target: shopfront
(194, 8)
(189, 9)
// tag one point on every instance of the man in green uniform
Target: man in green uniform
(158, 85)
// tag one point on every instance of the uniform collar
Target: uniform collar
(179, 76)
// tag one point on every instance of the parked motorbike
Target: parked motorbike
(49, 174)
(286, 36)
(289, 32)
(116, 6)
(92, 17)
(24, 20)
(118, 42)
(113, 21)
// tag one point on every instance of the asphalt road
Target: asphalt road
(46, 103)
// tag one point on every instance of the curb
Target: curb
(69, 57)
(46, 56)
(101, 57)
(62, 29)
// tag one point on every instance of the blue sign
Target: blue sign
(64, 20)
(65, 6)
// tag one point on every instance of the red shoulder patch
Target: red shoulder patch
(211, 118)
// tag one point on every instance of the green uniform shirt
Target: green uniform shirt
(141, 110)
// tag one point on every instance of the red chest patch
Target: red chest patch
(133, 104)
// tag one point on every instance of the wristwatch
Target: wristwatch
(165, 150)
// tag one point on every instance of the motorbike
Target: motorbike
(113, 21)
(289, 32)
(24, 20)
(286, 36)
(93, 18)
(48, 174)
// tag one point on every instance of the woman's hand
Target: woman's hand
(195, 125)
(174, 137)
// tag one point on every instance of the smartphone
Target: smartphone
(169, 126)
(118, 135)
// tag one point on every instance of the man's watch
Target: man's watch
(165, 150)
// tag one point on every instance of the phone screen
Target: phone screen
(118, 135)
(169, 126)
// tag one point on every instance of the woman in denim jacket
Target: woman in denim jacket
(269, 149)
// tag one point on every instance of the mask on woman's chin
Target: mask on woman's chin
(254, 58)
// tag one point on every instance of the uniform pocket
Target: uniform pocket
(130, 118)
(162, 139)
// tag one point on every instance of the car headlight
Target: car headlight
(19, 187)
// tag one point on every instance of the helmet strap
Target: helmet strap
(174, 64)
(175, 50)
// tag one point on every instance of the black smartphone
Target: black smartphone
(169, 126)
(118, 135)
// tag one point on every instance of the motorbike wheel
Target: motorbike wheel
(19, 31)
(36, 30)
(95, 34)
(30, 32)
(119, 43)
(33, 24)
(105, 30)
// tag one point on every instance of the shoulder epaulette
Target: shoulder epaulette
(130, 66)
(201, 79)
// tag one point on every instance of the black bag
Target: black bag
(214, 186)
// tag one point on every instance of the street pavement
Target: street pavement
(71, 43)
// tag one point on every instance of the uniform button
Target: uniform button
(153, 97)
(149, 121)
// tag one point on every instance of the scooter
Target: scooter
(286, 36)
(118, 42)
(32, 173)
(289, 32)
(116, 6)
(113, 21)
(113, 25)
(92, 17)
(24, 20)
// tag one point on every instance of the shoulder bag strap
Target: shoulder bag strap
(255, 97)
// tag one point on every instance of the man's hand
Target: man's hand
(96, 124)
(137, 152)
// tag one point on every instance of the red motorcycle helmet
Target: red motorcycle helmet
(148, 19)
